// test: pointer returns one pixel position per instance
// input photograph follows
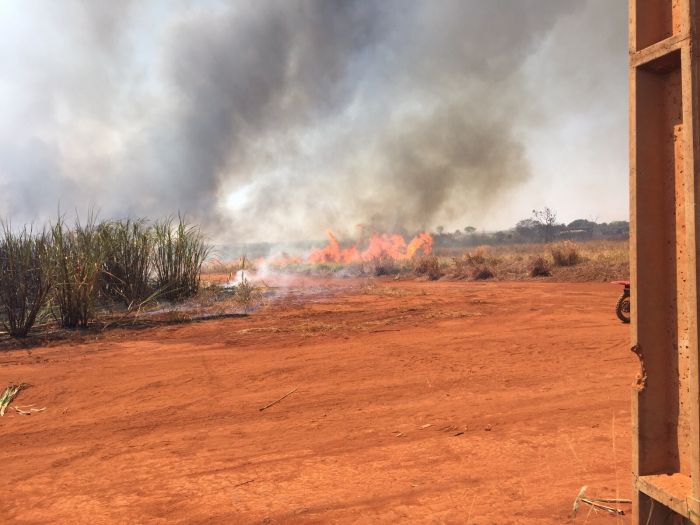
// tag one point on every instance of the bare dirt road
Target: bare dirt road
(479, 403)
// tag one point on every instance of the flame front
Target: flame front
(379, 246)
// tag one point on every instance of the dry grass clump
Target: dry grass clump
(477, 265)
(25, 278)
(595, 261)
(476, 258)
(540, 267)
(428, 265)
(482, 272)
(601, 261)
(384, 266)
(248, 295)
(565, 253)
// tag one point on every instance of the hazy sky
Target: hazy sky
(276, 119)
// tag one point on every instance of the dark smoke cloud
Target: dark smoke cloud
(271, 119)
(262, 72)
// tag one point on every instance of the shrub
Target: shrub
(127, 267)
(482, 272)
(475, 265)
(247, 294)
(25, 278)
(461, 267)
(474, 259)
(384, 266)
(179, 252)
(539, 267)
(428, 265)
(77, 260)
(565, 253)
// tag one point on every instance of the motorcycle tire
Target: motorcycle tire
(622, 308)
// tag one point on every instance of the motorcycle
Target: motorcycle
(622, 307)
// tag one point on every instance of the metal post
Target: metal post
(664, 157)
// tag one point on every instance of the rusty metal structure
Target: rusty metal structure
(664, 179)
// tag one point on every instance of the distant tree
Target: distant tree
(440, 230)
(500, 237)
(526, 224)
(581, 224)
(615, 229)
(469, 230)
(546, 219)
(527, 230)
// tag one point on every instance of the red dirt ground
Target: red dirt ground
(479, 403)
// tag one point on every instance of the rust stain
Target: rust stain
(640, 383)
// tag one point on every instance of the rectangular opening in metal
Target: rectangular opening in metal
(656, 20)
(660, 216)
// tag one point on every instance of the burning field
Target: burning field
(411, 257)
(372, 380)
(380, 246)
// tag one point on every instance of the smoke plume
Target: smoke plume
(271, 119)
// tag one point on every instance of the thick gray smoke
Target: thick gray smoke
(273, 119)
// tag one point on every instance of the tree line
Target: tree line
(541, 227)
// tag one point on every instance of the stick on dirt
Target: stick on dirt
(244, 483)
(610, 500)
(596, 503)
(278, 400)
(606, 508)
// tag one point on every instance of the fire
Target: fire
(332, 252)
(422, 240)
(380, 245)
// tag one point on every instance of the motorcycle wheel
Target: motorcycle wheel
(622, 308)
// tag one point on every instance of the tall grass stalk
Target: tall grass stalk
(25, 278)
(78, 260)
(178, 254)
(127, 268)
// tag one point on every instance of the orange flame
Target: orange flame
(422, 240)
(380, 245)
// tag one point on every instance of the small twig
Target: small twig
(610, 500)
(278, 400)
(385, 330)
(244, 483)
(611, 510)
(469, 517)
(577, 501)
(29, 412)
(596, 503)
(651, 512)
